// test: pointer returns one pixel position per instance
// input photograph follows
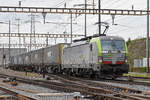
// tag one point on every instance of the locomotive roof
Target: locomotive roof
(111, 38)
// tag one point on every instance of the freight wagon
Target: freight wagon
(48, 58)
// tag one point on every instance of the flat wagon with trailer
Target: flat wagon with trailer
(48, 59)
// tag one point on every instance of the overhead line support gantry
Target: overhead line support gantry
(40, 35)
(72, 11)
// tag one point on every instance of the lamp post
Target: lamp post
(71, 26)
(99, 17)
(85, 19)
(147, 42)
(9, 39)
(19, 34)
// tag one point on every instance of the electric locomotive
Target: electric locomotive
(94, 56)
(102, 56)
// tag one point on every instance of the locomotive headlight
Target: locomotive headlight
(100, 59)
(126, 59)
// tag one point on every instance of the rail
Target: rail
(103, 91)
(17, 95)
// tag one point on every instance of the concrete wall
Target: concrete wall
(13, 52)
(141, 62)
(145, 62)
(138, 63)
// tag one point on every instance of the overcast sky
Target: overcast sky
(127, 26)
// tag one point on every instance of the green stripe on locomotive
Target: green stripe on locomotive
(126, 49)
(98, 42)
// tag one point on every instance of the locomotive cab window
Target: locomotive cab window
(113, 45)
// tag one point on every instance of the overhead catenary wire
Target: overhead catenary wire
(60, 4)
(117, 3)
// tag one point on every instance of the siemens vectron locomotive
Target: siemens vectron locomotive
(100, 56)
(103, 56)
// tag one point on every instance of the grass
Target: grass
(31, 74)
(137, 75)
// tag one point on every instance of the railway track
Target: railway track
(125, 80)
(13, 95)
(116, 89)
(86, 87)
(68, 88)
(137, 78)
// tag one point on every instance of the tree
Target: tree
(129, 41)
